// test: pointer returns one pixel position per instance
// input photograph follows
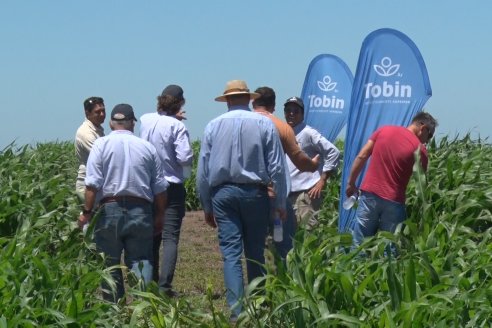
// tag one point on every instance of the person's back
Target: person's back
(240, 156)
(382, 193)
(238, 138)
(170, 137)
(126, 159)
(165, 133)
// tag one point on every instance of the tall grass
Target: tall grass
(49, 274)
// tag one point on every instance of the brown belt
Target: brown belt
(131, 199)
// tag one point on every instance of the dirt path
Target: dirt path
(199, 259)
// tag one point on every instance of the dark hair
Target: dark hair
(169, 104)
(91, 102)
(266, 99)
(427, 119)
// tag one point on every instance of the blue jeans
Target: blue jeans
(125, 226)
(173, 218)
(242, 213)
(375, 213)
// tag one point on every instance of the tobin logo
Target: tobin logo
(326, 85)
(388, 89)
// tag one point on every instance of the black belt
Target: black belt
(131, 199)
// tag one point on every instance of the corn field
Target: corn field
(442, 276)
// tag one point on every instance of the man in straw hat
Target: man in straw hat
(240, 155)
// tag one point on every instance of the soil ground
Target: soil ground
(199, 265)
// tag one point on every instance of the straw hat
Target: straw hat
(236, 87)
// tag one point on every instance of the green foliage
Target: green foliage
(192, 201)
(50, 273)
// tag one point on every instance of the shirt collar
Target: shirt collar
(93, 126)
(121, 132)
(242, 107)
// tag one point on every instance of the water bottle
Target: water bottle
(84, 228)
(350, 202)
(278, 233)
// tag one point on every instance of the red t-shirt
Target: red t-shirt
(391, 162)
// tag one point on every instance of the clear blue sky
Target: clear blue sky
(54, 54)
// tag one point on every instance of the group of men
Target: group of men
(244, 180)
(138, 185)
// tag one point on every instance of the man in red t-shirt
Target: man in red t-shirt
(382, 199)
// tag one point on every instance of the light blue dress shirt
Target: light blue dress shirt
(121, 164)
(171, 139)
(241, 147)
(312, 143)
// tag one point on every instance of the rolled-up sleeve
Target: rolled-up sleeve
(329, 152)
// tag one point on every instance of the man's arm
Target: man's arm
(303, 162)
(160, 203)
(295, 153)
(357, 167)
(90, 199)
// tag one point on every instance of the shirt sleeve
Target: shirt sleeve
(184, 152)
(328, 151)
(202, 183)
(94, 175)
(158, 183)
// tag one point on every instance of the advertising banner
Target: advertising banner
(391, 85)
(326, 95)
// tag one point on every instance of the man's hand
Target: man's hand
(181, 115)
(210, 219)
(350, 190)
(158, 224)
(84, 219)
(315, 161)
(315, 191)
(281, 213)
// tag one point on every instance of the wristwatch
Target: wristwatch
(85, 212)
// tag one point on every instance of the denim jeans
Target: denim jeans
(125, 226)
(242, 213)
(375, 213)
(175, 211)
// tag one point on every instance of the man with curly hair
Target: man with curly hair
(169, 135)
